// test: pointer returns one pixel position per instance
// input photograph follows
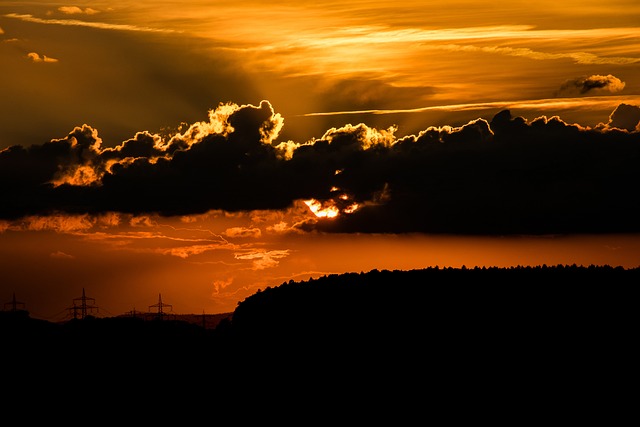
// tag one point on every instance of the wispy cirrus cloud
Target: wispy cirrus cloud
(243, 232)
(583, 58)
(90, 24)
(374, 45)
(61, 255)
(263, 259)
(609, 102)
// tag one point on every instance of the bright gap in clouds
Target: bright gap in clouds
(322, 210)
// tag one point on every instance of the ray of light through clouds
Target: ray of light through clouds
(209, 149)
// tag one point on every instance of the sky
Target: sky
(202, 151)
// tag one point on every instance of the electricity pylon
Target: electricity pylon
(15, 305)
(160, 306)
(84, 307)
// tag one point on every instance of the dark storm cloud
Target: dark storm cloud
(588, 84)
(507, 175)
(625, 117)
(538, 177)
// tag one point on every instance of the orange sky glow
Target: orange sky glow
(205, 151)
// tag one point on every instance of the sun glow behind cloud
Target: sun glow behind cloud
(322, 210)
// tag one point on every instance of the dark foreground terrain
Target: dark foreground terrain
(376, 310)
(556, 331)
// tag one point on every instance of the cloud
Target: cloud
(142, 221)
(506, 175)
(61, 255)
(75, 10)
(242, 232)
(35, 57)
(91, 24)
(263, 259)
(220, 285)
(187, 251)
(599, 102)
(578, 57)
(625, 117)
(594, 83)
(59, 223)
(279, 228)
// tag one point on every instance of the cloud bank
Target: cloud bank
(506, 175)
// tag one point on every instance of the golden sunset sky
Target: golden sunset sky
(204, 150)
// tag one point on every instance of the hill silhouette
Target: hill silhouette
(467, 318)
(381, 308)
(533, 340)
